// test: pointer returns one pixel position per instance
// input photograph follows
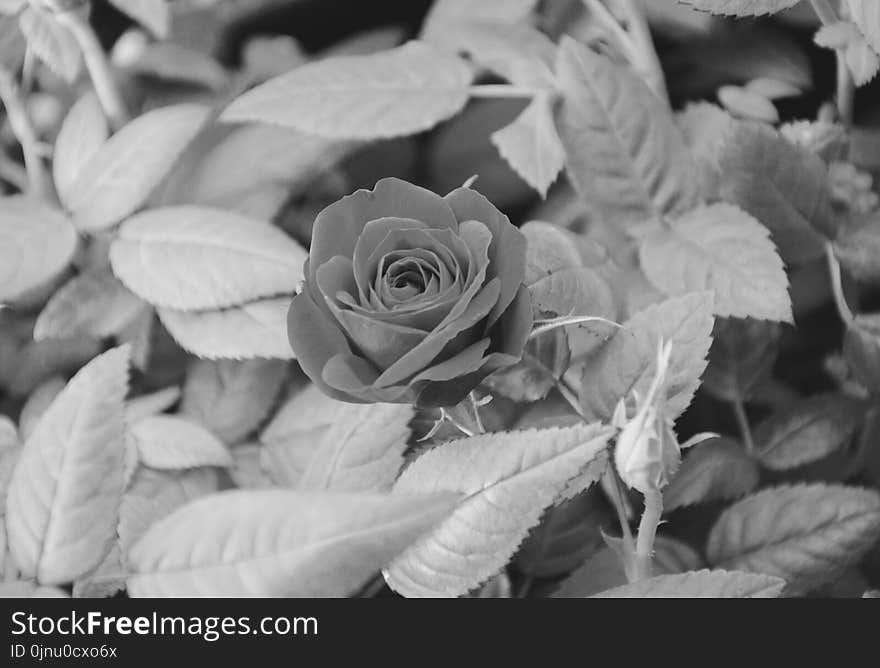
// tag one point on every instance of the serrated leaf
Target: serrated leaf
(82, 134)
(723, 249)
(196, 258)
(255, 330)
(65, 492)
(805, 534)
(866, 15)
(279, 543)
(717, 470)
(700, 584)
(628, 361)
(625, 155)
(402, 91)
(782, 185)
(119, 177)
(106, 581)
(566, 536)
(231, 398)
(807, 431)
(169, 442)
(508, 479)
(155, 15)
(742, 355)
(51, 42)
(532, 146)
(319, 443)
(36, 243)
(741, 7)
(91, 304)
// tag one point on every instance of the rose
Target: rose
(410, 297)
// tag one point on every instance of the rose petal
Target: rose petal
(338, 226)
(507, 253)
(381, 343)
(354, 376)
(374, 232)
(315, 339)
(424, 354)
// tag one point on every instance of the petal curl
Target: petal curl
(354, 376)
(507, 254)
(315, 339)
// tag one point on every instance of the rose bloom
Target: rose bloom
(410, 297)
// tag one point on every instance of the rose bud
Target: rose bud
(410, 297)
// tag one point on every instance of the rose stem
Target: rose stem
(97, 65)
(742, 420)
(648, 532)
(17, 114)
(843, 308)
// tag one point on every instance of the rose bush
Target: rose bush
(409, 296)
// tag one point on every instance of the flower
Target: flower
(410, 297)
(647, 452)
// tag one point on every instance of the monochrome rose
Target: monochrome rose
(410, 297)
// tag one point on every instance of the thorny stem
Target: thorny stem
(647, 532)
(837, 286)
(24, 132)
(845, 96)
(97, 65)
(742, 421)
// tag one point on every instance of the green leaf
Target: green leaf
(516, 51)
(508, 479)
(279, 543)
(866, 15)
(119, 177)
(742, 355)
(36, 243)
(782, 185)
(37, 403)
(319, 443)
(742, 7)
(65, 492)
(858, 248)
(713, 471)
(82, 134)
(91, 304)
(196, 258)
(50, 41)
(626, 157)
(254, 330)
(704, 127)
(155, 15)
(151, 404)
(566, 536)
(723, 249)
(531, 145)
(861, 347)
(549, 248)
(153, 495)
(258, 157)
(441, 22)
(170, 442)
(12, 44)
(700, 584)
(230, 398)
(402, 91)
(627, 362)
(807, 431)
(749, 104)
(805, 534)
